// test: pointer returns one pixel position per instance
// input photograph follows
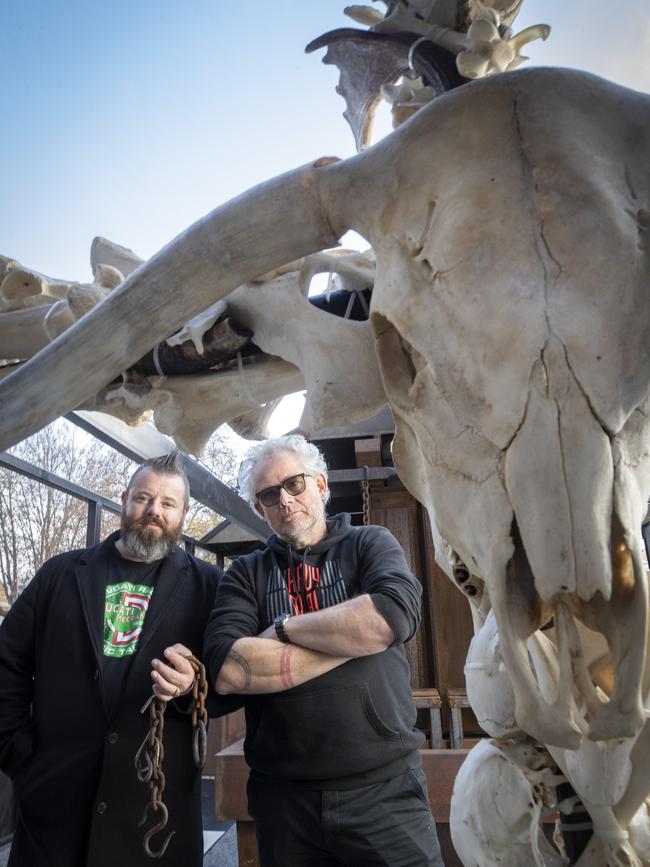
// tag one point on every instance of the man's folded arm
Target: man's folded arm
(387, 612)
(263, 665)
(238, 661)
(351, 629)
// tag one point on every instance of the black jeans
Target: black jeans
(387, 824)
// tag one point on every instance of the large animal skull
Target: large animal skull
(520, 401)
(510, 223)
(501, 794)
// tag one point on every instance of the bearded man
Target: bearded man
(76, 665)
(311, 630)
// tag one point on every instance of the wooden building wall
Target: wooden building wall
(437, 653)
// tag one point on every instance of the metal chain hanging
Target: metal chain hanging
(365, 497)
(199, 714)
(150, 756)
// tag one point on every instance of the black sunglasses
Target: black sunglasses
(294, 485)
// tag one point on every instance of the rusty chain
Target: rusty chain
(148, 763)
(150, 756)
(365, 497)
(199, 714)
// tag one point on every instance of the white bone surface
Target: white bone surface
(511, 322)
(335, 355)
(509, 410)
(500, 795)
(488, 685)
(34, 309)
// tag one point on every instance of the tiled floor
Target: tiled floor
(224, 852)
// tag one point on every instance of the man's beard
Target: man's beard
(299, 537)
(144, 543)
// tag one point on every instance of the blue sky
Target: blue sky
(132, 119)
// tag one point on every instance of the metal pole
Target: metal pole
(94, 525)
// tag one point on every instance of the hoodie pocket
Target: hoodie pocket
(322, 735)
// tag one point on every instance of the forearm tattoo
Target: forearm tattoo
(239, 659)
(285, 667)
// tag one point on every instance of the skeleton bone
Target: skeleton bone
(334, 397)
(181, 402)
(500, 795)
(191, 407)
(639, 833)
(483, 48)
(466, 347)
(597, 770)
(610, 846)
(254, 425)
(35, 309)
(419, 15)
(489, 689)
(429, 387)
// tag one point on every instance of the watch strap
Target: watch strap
(280, 631)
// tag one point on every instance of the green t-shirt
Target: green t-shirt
(129, 588)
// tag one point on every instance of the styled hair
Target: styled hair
(166, 465)
(312, 460)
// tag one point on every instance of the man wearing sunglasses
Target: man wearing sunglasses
(311, 630)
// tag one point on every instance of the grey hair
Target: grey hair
(312, 460)
(166, 465)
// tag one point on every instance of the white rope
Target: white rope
(156, 361)
(362, 301)
(412, 51)
(244, 384)
(330, 286)
(614, 835)
(50, 310)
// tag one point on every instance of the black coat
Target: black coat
(78, 797)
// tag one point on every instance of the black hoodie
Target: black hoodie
(353, 725)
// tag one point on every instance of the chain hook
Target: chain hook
(159, 826)
(143, 763)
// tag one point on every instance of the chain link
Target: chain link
(365, 497)
(199, 714)
(149, 758)
(148, 763)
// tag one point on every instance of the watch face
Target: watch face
(278, 623)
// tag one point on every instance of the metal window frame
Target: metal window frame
(96, 503)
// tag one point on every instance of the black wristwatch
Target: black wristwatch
(280, 631)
